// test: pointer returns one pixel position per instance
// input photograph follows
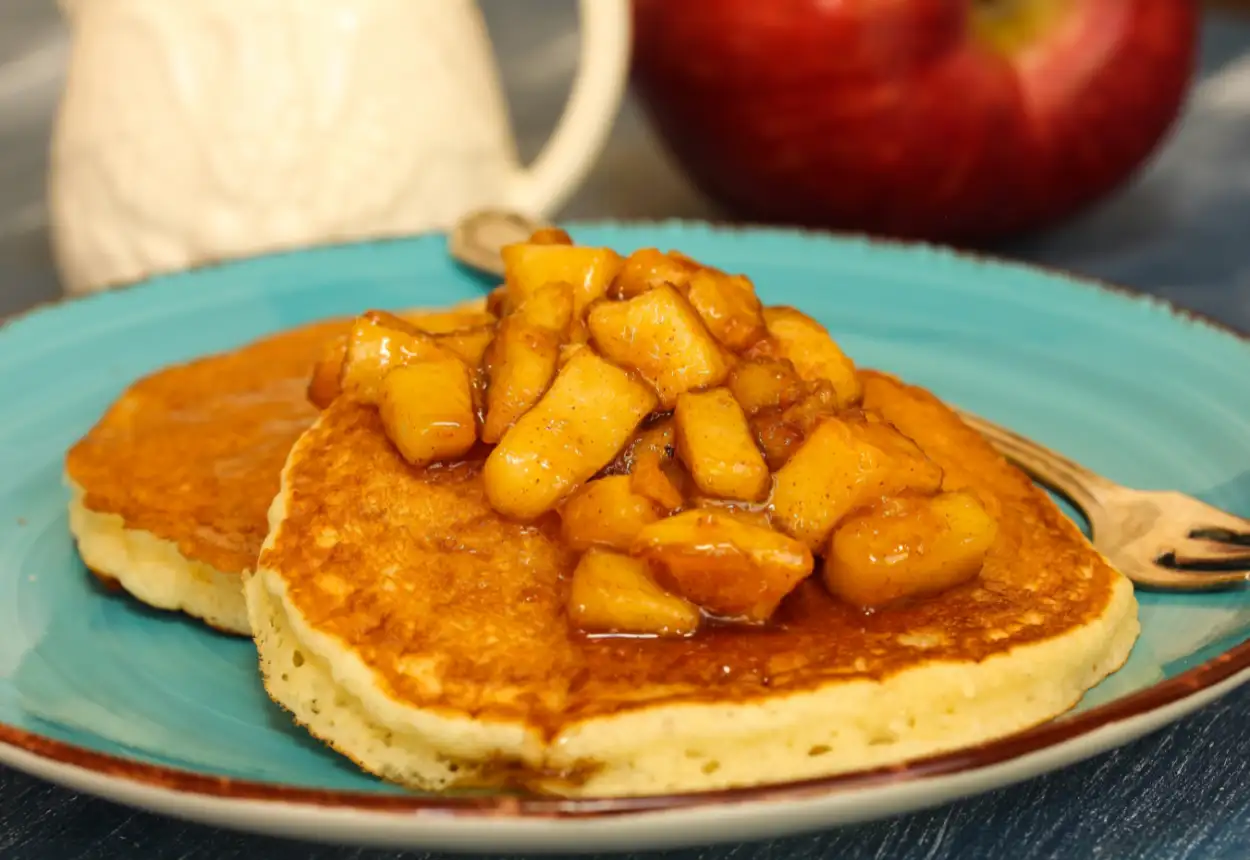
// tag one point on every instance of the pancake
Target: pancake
(408, 626)
(170, 488)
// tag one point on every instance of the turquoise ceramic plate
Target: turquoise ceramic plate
(152, 709)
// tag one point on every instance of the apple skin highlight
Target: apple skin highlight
(948, 120)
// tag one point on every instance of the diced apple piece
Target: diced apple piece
(648, 268)
(605, 512)
(427, 410)
(380, 341)
(588, 270)
(520, 365)
(728, 307)
(659, 335)
(840, 467)
(550, 236)
(920, 416)
(324, 387)
(821, 482)
(468, 345)
(614, 593)
(550, 306)
(765, 383)
(905, 468)
(811, 350)
(651, 465)
(730, 567)
(908, 546)
(575, 429)
(715, 443)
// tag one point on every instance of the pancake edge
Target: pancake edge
(153, 571)
(831, 728)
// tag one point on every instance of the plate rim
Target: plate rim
(1222, 670)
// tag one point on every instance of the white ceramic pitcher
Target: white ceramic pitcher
(192, 131)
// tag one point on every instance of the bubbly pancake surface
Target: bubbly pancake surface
(456, 611)
(192, 453)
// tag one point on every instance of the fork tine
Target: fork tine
(1198, 553)
(1222, 536)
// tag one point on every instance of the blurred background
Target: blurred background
(1172, 230)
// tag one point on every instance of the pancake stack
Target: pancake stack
(405, 622)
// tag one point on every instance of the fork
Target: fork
(1159, 539)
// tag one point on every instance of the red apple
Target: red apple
(953, 120)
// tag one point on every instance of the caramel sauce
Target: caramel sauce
(457, 608)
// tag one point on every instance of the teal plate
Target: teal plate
(152, 709)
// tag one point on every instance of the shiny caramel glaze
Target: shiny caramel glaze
(458, 610)
(193, 453)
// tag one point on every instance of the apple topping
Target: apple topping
(660, 337)
(908, 546)
(704, 454)
(715, 443)
(606, 513)
(654, 472)
(731, 567)
(614, 593)
(427, 410)
(807, 345)
(647, 269)
(572, 432)
(765, 383)
(588, 270)
(380, 341)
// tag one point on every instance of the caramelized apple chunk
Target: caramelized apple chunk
(587, 415)
(659, 335)
(648, 268)
(550, 236)
(427, 410)
(652, 467)
(840, 467)
(588, 270)
(904, 467)
(728, 566)
(908, 546)
(614, 593)
(524, 356)
(378, 342)
(728, 306)
(550, 307)
(323, 386)
(715, 443)
(520, 366)
(807, 345)
(765, 383)
(469, 345)
(605, 512)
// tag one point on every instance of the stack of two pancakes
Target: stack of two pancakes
(406, 625)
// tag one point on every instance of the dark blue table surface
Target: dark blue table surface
(1181, 231)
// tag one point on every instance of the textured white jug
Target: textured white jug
(192, 131)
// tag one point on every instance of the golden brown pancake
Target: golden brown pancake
(406, 624)
(172, 484)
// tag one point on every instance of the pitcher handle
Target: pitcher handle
(602, 73)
